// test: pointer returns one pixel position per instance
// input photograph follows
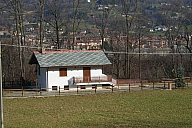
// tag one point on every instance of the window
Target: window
(82, 87)
(66, 87)
(54, 87)
(63, 71)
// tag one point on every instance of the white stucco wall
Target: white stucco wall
(76, 72)
(96, 72)
(54, 78)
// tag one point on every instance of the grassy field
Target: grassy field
(159, 108)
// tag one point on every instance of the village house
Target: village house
(157, 42)
(4, 34)
(88, 42)
(71, 69)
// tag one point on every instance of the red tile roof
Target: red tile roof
(65, 50)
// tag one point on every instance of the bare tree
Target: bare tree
(78, 16)
(17, 57)
(139, 32)
(55, 18)
(117, 44)
(129, 10)
(19, 30)
(106, 12)
(41, 35)
(173, 15)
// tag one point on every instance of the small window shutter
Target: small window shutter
(63, 71)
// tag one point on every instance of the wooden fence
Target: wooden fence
(23, 92)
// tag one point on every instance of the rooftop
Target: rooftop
(64, 58)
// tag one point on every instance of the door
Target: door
(86, 74)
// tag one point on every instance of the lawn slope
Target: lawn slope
(160, 108)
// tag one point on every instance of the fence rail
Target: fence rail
(35, 92)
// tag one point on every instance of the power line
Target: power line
(146, 53)
(107, 52)
(21, 46)
(26, 46)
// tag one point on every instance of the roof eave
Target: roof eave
(74, 66)
(33, 60)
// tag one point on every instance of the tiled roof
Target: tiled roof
(71, 59)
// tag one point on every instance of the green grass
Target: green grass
(157, 109)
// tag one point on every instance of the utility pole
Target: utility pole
(42, 5)
(1, 98)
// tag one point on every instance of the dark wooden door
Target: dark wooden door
(86, 74)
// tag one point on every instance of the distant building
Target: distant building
(5, 34)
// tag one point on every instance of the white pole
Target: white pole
(1, 98)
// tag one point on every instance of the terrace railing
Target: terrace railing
(88, 79)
